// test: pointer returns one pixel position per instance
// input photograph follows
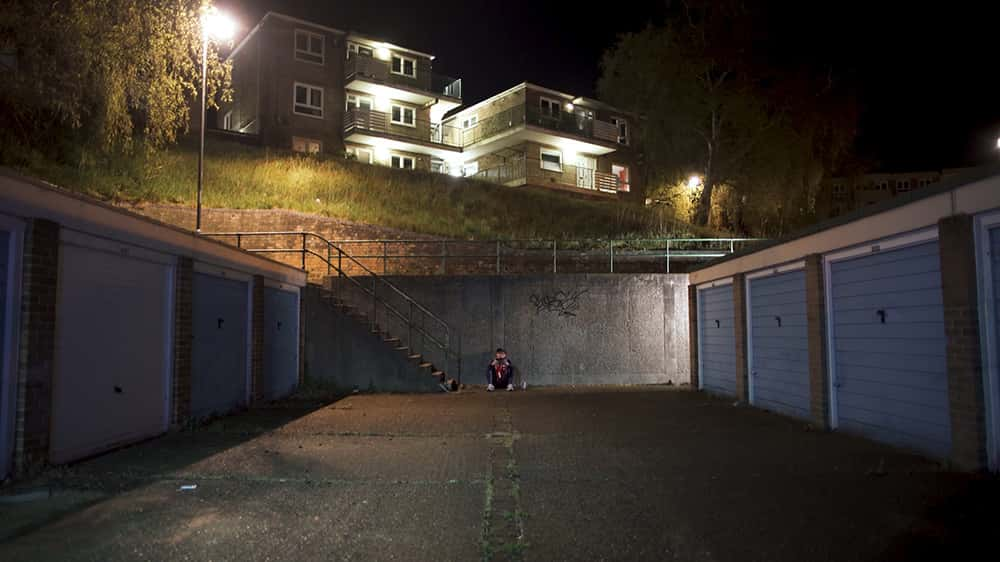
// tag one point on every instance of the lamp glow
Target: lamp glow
(694, 181)
(218, 25)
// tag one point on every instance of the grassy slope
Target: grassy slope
(238, 176)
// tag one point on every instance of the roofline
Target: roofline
(285, 17)
(568, 97)
(944, 186)
(354, 34)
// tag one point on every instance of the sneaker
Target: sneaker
(510, 388)
(489, 388)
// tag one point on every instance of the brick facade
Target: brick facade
(964, 359)
(819, 388)
(693, 333)
(39, 294)
(740, 336)
(257, 339)
(183, 339)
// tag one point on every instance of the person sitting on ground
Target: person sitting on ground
(500, 372)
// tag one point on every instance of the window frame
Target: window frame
(402, 159)
(355, 48)
(306, 141)
(619, 122)
(555, 107)
(402, 114)
(402, 65)
(309, 53)
(550, 152)
(357, 150)
(628, 174)
(309, 89)
(357, 102)
(470, 121)
(227, 120)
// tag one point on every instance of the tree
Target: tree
(111, 71)
(713, 107)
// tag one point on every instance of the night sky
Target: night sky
(925, 76)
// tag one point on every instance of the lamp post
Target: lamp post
(219, 27)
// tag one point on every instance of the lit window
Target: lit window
(401, 162)
(365, 155)
(308, 100)
(358, 102)
(404, 66)
(402, 115)
(309, 46)
(549, 107)
(551, 160)
(308, 146)
(355, 49)
(621, 172)
(622, 125)
(470, 121)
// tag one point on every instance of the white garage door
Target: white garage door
(112, 357)
(281, 342)
(219, 346)
(717, 340)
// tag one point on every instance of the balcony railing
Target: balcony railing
(522, 171)
(516, 116)
(379, 70)
(380, 123)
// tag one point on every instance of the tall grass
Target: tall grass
(242, 177)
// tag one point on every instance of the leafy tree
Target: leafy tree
(716, 106)
(106, 71)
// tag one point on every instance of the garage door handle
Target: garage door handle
(716, 323)
(881, 315)
(118, 390)
(220, 321)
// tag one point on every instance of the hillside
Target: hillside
(243, 177)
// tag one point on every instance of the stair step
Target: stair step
(391, 340)
(426, 365)
(415, 356)
(437, 374)
(402, 348)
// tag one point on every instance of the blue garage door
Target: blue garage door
(889, 348)
(219, 351)
(779, 370)
(6, 441)
(716, 340)
(281, 343)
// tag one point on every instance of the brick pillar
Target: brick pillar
(39, 294)
(740, 333)
(183, 338)
(257, 335)
(961, 326)
(693, 333)
(819, 377)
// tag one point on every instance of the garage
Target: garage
(988, 242)
(112, 346)
(9, 279)
(220, 330)
(778, 341)
(716, 339)
(281, 341)
(888, 363)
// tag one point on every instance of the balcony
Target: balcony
(520, 171)
(595, 136)
(364, 126)
(370, 75)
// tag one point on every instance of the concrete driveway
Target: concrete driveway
(550, 474)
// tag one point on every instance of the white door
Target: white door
(113, 346)
(585, 167)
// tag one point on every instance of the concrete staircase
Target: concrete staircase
(360, 353)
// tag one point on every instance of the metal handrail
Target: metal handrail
(445, 346)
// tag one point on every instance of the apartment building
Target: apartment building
(535, 136)
(313, 88)
(842, 195)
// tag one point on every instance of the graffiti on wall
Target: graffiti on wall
(560, 302)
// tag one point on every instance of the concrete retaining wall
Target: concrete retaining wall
(567, 329)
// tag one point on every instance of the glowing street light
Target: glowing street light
(215, 25)
(694, 182)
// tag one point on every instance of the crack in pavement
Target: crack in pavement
(503, 535)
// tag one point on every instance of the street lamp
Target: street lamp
(694, 181)
(218, 26)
